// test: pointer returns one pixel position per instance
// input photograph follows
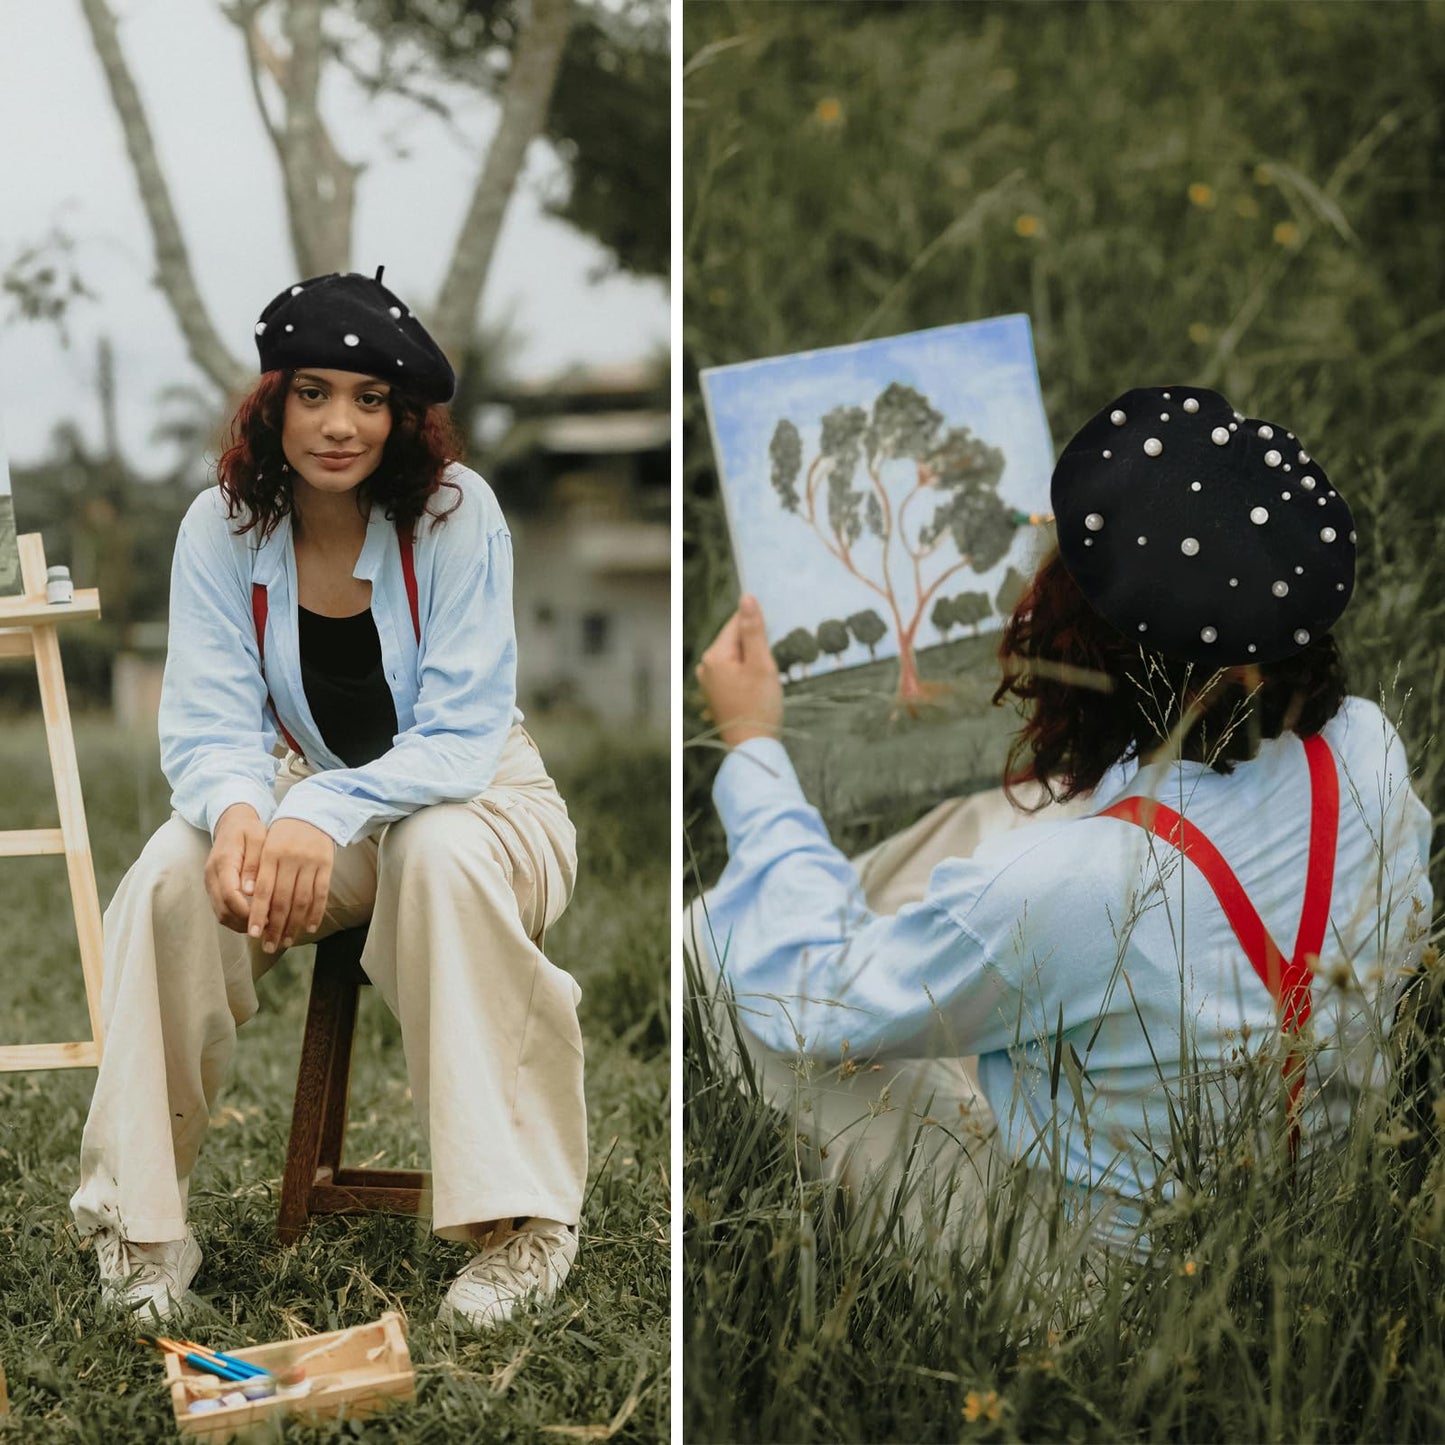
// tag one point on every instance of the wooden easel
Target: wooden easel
(28, 629)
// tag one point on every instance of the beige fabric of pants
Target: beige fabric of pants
(916, 1135)
(458, 897)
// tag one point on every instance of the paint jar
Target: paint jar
(58, 586)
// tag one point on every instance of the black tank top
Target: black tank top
(345, 685)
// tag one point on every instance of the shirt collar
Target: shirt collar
(271, 555)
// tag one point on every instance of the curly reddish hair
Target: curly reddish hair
(1091, 697)
(255, 479)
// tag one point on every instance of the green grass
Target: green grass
(595, 1355)
(1241, 196)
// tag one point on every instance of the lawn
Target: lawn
(1244, 197)
(593, 1364)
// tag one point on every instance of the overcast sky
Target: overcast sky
(63, 164)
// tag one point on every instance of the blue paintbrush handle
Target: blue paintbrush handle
(245, 1366)
(214, 1367)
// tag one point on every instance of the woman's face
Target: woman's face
(334, 428)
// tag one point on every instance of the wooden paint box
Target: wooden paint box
(349, 1373)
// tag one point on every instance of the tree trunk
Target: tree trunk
(320, 183)
(525, 98)
(173, 266)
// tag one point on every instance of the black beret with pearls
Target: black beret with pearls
(1205, 535)
(352, 322)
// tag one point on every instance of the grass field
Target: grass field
(1244, 197)
(591, 1365)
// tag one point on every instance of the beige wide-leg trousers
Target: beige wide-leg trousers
(458, 897)
(912, 1136)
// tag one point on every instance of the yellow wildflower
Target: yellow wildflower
(1026, 225)
(1247, 207)
(1286, 233)
(1202, 195)
(828, 111)
(1199, 333)
(981, 1407)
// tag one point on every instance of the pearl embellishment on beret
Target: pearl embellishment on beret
(1108, 455)
(1194, 486)
(1153, 446)
(395, 311)
(351, 339)
(1219, 436)
(1094, 522)
(1143, 627)
(1118, 418)
(295, 290)
(290, 327)
(1302, 637)
(260, 328)
(1284, 496)
(1189, 546)
(1259, 516)
(1280, 589)
(1327, 534)
(1272, 459)
(1234, 581)
(1308, 483)
(1253, 648)
(1207, 634)
(1142, 541)
(1267, 432)
(1303, 458)
(1191, 405)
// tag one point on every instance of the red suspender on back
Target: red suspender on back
(1287, 979)
(258, 615)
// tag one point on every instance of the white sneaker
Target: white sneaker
(527, 1264)
(148, 1279)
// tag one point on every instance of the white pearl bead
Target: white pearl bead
(1143, 541)
(1299, 571)
(1302, 637)
(1153, 446)
(295, 290)
(395, 311)
(1284, 496)
(289, 327)
(260, 328)
(1323, 500)
(351, 339)
(1166, 396)
(1327, 534)
(1308, 483)
(1108, 455)
(1088, 541)
(1272, 459)
(1234, 426)
(1288, 468)
(1143, 627)
(1239, 416)
(1259, 516)
(1190, 546)
(1163, 416)
(1118, 418)
(1219, 436)
(1207, 634)
(1303, 458)
(1253, 648)
(1094, 522)
(1352, 536)
(1194, 486)
(1267, 432)
(1280, 589)
(1190, 404)
(400, 362)
(1339, 586)
(1234, 581)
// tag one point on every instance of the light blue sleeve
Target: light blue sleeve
(811, 967)
(216, 735)
(465, 704)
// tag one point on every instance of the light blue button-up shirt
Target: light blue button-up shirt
(1083, 937)
(455, 692)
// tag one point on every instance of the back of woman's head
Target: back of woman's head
(1091, 697)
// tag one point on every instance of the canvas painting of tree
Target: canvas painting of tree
(884, 495)
(11, 582)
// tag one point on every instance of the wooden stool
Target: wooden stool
(314, 1181)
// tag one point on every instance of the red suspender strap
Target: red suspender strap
(1287, 979)
(258, 615)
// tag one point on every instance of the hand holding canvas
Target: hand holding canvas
(740, 684)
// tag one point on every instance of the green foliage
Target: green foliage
(833, 637)
(599, 1354)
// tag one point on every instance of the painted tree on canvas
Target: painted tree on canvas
(901, 502)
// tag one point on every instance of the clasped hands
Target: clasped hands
(271, 883)
(742, 692)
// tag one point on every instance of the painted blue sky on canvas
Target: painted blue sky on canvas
(981, 375)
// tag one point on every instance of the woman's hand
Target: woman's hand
(739, 679)
(231, 868)
(292, 883)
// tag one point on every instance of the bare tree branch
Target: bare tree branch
(525, 98)
(173, 266)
